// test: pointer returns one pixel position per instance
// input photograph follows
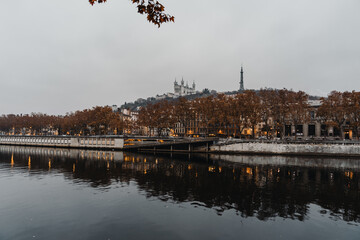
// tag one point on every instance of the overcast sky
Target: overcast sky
(64, 55)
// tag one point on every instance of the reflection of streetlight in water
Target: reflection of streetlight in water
(12, 160)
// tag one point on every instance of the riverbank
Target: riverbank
(338, 148)
(344, 148)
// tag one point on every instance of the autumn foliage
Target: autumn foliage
(264, 113)
(250, 114)
(341, 109)
(154, 10)
(95, 121)
(229, 115)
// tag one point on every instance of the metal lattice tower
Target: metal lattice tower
(242, 79)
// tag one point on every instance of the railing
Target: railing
(107, 142)
(146, 141)
(289, 141)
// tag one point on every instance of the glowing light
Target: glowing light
(12, 160)
(49, 163)
(211, 169)
(249, 170)
(74, 167)
(349, 174)
(29, 163)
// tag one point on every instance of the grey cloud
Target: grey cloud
(59, 56)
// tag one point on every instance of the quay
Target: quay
(141, 144)
(96, 142)
(192, 145)
(328, 148)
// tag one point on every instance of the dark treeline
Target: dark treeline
(251, 113)
(95, 121)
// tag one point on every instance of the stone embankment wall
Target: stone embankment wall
(273, 148)
(97, 142)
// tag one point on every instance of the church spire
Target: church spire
(242, 80)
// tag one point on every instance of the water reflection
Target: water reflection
(264, 187)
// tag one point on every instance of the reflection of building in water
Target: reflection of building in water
(256, 189)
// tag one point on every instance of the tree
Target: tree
(183, 113)
(334, 109)
(354, 112)
(152, 9)
(164, 116)
(298, 108)
(206, 112)
(223, 110)
(148, 117)
(280, 110)
(252, 109)
(239, 113)
(266, 104)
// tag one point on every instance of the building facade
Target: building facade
(182, 89)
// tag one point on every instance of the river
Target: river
(49, 193)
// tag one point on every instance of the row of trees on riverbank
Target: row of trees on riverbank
(341, 110)
(252, 113)
(95, 121)
(228, 114)
(265, 112)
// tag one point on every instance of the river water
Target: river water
(48, 193)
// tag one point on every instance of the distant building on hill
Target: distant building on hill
(182, 89)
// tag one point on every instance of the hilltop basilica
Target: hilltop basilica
(183, 90)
